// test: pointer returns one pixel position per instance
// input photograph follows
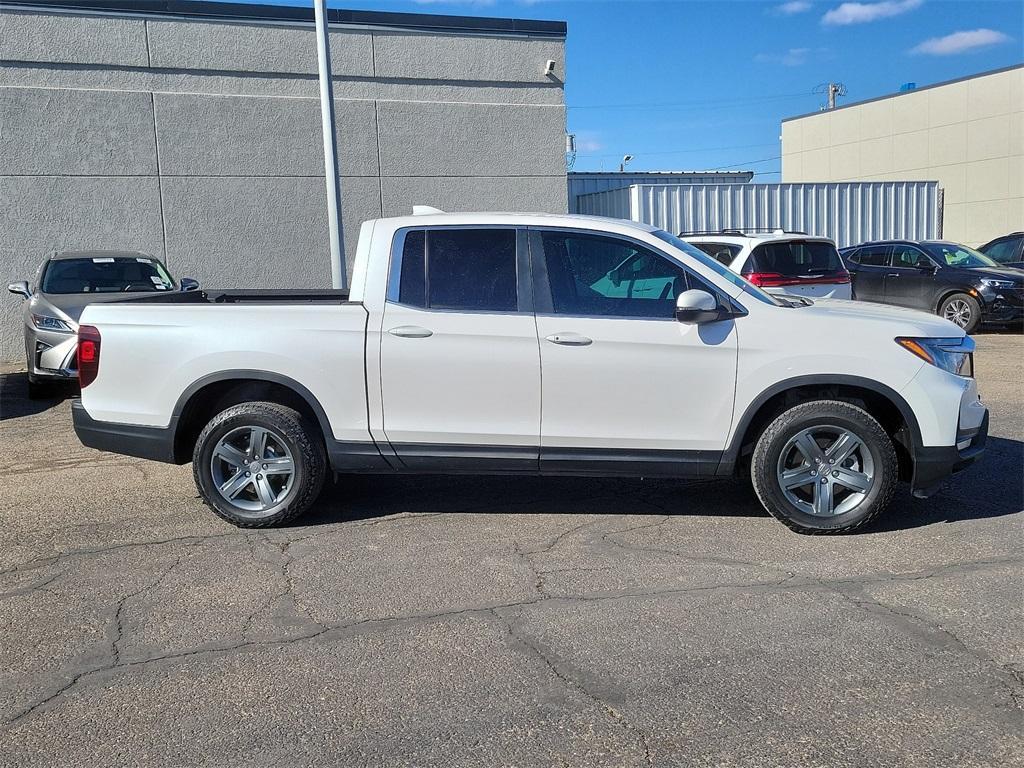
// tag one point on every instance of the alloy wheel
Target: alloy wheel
(959, 312)
(825, 471)
(252, 469)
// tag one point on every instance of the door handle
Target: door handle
(569, 339)
(893, 274)
(411, 332)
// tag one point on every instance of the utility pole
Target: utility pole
(835, 89)
(339, 277)
(832, 90)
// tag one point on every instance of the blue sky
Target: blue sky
(704, 85)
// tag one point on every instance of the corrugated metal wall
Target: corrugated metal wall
(848, 212)
(588, 182)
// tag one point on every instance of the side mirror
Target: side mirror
(20, 288)
(189, 284)
(927, 267)
(694, 307)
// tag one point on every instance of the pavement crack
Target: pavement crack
(559, 670)
(33, 587)
(42, 562)
(1010, 679)
(118, 618)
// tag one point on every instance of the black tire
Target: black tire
(973, 309)
(302, 440)
(39, 390)
(766, 464)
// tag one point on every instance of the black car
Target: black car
(950, 279)
(1008, 250)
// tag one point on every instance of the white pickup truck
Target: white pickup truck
(534, 344)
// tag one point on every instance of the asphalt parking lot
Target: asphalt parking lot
(504, 621)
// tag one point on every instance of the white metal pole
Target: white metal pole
(339, 277)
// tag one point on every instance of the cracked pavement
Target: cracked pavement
(504, 621)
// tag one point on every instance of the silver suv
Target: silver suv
(64, 284)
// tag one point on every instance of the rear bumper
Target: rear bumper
(154, 443)
(934, 465)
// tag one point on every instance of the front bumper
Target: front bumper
(154, 443)
(934, 464)
(1004, 305)
(52, 355)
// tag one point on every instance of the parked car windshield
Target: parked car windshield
(105, 274)
(718, 269)
(953, 255)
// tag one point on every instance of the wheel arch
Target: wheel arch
(213, 393)
(880, 400)
(945, 293)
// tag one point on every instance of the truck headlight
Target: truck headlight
(47, 323)
(997, 283)
(953, 355)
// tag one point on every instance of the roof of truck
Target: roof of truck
(434, 217)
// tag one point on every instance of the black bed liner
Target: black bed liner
(245, 296)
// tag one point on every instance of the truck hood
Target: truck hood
(904, 322)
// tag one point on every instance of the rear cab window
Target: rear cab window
(456, 269)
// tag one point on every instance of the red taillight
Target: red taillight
(776, 280)
(769, 279)
(88, 355)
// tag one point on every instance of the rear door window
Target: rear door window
(874, 256)
(472, 270)
(795, 258)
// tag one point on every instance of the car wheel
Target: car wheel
(824, 467)
(259, 464)
(963, 310)
(39, 390)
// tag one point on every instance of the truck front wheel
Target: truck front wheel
(259, 464)
(824, 466)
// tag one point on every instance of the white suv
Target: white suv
(780, 262)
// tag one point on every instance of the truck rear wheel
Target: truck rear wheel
(824, 467)
(259, 464)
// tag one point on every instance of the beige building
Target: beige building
(967, 134)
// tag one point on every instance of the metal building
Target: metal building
(968, 134)
(588, 182)
(191, 130)
(848, 213)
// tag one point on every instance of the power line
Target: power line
(697, 102)
(685, 151)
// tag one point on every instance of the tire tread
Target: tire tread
(293, 426)
(760, 478)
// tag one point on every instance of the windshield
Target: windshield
(953, 255)
(105, 274)
(718, 269)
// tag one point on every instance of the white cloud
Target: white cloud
(794, 57)
(793, 7)
(860, 13)
(958, 42)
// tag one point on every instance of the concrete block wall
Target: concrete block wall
(967, 134)
(199, 140)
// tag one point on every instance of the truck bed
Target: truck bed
(243, 296)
